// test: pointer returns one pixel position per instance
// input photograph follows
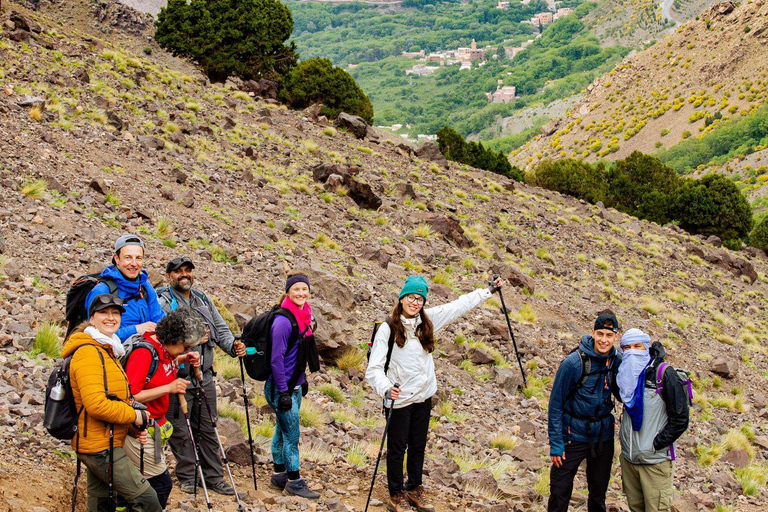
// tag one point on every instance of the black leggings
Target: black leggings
(162, 484)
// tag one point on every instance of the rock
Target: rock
(99, 185)
(21, 22)
(189, 199)
(313, 111)
(526, 453)
(31, 101)
(480, 478)
(229, 123)
(362, 194)
(19, 36)
(550, 128)
(509, 380)
(723, 367)
(514, 277)
(429, 151)
(265, 88)
(334, 182)
(449, 227)
(715, 240)
(405, 190)
(54, 184)
(235, 444)
(115, 121)
(739, 458)
(251, 153)
(81, 75)
(322, 171)
(724, 480)
(355, 124)
(150, 142)
(179, 176)
(479, 356)
(335, 505)
(377, 254)
(167, 194)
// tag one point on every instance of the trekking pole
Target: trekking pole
(248, 420)
(150, 423)
(511, 333)
(381, 449)
(214, 421)
(110, 476)
(183, 404)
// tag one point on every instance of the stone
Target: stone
(715, 240)
(514, 277)
(479, 356)
(150, 142)
(405, 190)
(167, 194)
(355, 124)
(739, 458)
(335, 505)
(235, 444)
(265, 88)
(54, 184)
(189, 199)
(99, 185)
(429, 151)
(81, 75)
(115, 121)
(179, 176)
(31, 101)
(480, 478)
(449, 227)
(509, 380)
(21, 22)
(362, 194)
(724, 368)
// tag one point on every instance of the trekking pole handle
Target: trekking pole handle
(198, 375)
(183, 404)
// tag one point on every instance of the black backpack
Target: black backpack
(138, 341)
(586, 372)
(61, 413)
(390, 345)
(75, 312)
(257, 337)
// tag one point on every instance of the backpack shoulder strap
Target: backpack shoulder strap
(111, 284)
(294, 326)
(390, 347)
(660, 377)
(586, 368)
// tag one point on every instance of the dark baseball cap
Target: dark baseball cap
(128, 240)
(177, 263)
(104, 301)
(607, 321)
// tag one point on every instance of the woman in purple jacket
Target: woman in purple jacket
(293, 349)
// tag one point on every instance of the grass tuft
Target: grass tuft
(332, 391)
(752, 479)
(310, 414)
(48, 340)
(504, 441)
(34, 189)
(352, 358)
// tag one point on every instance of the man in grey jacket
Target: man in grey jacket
(655, 416)
(180, 294)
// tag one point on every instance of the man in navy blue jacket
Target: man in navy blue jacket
(142, 310)
(581, 423)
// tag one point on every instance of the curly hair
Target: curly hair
(181, 326)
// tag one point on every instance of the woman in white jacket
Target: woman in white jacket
(410, 332)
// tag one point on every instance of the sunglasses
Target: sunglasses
(177, 262)
(109, 299)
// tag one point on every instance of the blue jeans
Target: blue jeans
(285, 442)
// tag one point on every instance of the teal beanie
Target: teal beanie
(416, 285)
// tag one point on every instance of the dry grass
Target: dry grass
(34, 189)
(352, 358)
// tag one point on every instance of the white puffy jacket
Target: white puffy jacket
(411, 366)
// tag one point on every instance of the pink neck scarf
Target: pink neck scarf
(303, 316)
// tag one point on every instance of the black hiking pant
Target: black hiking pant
(598, 475)
(408, 430)
(205, 437)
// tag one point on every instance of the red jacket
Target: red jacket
(137, 368)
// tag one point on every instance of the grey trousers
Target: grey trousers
(127, 482)
(205, 437)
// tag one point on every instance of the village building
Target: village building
(504, 5)
(414, 55)
(565, 11)
(502, 94)
(421, 70)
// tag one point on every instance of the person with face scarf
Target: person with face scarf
(655, 416)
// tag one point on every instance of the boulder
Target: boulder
(235, 444)
(115, 121)
(99, 185)
(508, 379)
(405, 190)
(265, 88)
(355, 124)
(81, 75)
(479, 478)
(724, 368)
(514, 277)
(449, 228)
(429, 151)
(21, 22)
(739, 458)
(479, 356)
(362, 194)
(150, 142)
(322, 171)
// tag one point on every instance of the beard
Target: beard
(183, 285)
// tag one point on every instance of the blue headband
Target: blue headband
(298, 278)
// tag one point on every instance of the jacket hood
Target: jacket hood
(78, 340)
(125, 286)
(587, 345)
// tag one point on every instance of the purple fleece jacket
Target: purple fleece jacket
(283, 363)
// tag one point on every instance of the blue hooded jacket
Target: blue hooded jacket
(137, 310)
(567, 421)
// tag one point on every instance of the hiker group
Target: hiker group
(138, 374)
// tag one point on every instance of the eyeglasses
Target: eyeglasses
(414, 299)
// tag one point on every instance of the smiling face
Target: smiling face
(299, 294)
(604, 340)
(130, 260)
(106, 320)
(181, 279)
(412, 304)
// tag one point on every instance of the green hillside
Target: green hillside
(563, 61)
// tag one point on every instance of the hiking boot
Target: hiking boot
(416, 498)
(279, 480)
(398, 503)
(222, 487)
(299, 488)
(187, 487)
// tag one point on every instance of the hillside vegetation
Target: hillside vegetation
(99, 137)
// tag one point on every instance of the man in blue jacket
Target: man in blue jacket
(126, 278)
(581, 423)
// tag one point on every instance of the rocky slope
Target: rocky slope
(98, 138)
(654, 99)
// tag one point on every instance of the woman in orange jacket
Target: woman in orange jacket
(106, 413)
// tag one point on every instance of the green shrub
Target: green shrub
(244, 38)
(759, 236)
(712, 205)
(452, 145)
(318, 81)
(641, 185)
(572, 177)
(47, 340)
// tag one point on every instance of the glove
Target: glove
(305, 388)
(285, 403)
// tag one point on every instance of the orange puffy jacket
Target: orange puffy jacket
(87, 378)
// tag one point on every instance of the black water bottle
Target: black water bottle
(54, 404)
